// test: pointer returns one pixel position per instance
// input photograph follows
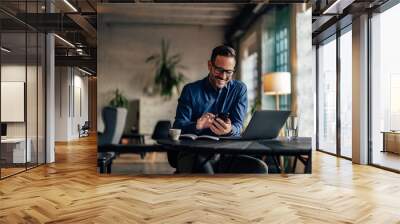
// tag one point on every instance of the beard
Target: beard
(220, 78)
(217, 81)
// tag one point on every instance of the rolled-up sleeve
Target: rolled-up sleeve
(183, 117)
(239, 112)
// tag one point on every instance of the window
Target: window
(281, 50)
(276, 53)
(346, 94)
(327, 96)
(385, 87)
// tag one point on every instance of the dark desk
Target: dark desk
(300, 148)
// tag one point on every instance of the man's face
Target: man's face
(221, 71)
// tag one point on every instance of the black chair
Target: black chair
(84, 129)
(211, 164)
(160, 132)
(241, 164)
(114, 122)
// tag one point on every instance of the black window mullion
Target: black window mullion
(369, 81)
(26, 86)
(0, 94)
(338, 98)
(37, 90)
(317, 95)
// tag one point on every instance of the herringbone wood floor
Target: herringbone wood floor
(71, 191)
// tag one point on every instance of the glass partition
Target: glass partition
(31, 98)
(22, 91)
(14, 153)
(41, 96)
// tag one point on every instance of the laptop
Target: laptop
(264, 124)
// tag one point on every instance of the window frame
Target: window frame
(334, 37)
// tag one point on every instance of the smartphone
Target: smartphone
(223, 116)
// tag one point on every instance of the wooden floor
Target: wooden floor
(71, 191)
(386, 159)
(10, 171)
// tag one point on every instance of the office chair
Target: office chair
(83, 131)
(160, 132)
(241, 164)
(114, 122)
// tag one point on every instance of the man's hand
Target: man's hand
(205, 121)
(219, 127)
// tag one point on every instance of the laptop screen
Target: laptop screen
(265, 124)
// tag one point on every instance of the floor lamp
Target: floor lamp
(277, 83)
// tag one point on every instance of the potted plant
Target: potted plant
(167, 76)
(119, 100)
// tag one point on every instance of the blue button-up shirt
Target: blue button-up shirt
(200, 97)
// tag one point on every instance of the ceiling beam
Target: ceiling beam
(337, 7)
(49, 22)
(170, 22)
(176, 14)
(112, 7)
(82, 61)
(84, 24)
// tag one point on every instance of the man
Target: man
(217, 93)
(201, 102)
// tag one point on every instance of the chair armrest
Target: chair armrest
(130, 148)
(132, 135)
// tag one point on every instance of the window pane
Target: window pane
(386, 88)
(346, 94)
(15, 149)
(327, 97)
(41, 98)
(31, 99)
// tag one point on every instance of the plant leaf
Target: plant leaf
(167, 76)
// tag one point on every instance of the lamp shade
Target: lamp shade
(277, 83)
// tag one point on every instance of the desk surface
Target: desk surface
(13, 140)
(280, 146)
(391, 132)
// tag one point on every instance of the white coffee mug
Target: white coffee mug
(174, 134)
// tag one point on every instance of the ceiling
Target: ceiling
(204, 14)
(76, 20)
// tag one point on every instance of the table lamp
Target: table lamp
(277, 83)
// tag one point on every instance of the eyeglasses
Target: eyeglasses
(220, 70)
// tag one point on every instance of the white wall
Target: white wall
(17, 73)
(33, 126)
(68, 81)
(122, 51)
(61, 103)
